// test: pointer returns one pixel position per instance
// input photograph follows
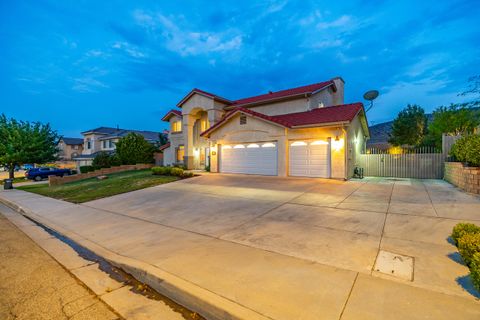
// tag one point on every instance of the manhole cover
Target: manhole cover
(395, 265)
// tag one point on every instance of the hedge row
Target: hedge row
(467, 238)
(467, 150)
(171, 171)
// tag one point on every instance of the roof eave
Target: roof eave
(325, 124)
(251, 104)
(191, 93)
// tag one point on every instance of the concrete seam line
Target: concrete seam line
(348, 297)
(184, 292)
(430, 198)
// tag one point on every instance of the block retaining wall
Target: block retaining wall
(466, 178)
(55, 181)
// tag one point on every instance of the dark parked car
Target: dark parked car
(38, 174)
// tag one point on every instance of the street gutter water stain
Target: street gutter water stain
(120, 275)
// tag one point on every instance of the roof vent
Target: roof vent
(321, 105)
(270, 92)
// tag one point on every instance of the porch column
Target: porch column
(188, 122)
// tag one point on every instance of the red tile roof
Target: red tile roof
(340, 113)
(271, 96)
(165, 146)
(308, 89)
(319, 116)
(170, 113)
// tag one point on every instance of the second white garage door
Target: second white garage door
(309, 158)
(249, 158)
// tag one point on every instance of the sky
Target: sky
(83, 64)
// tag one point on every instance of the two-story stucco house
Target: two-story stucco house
(69, 148)
(103, 139)
(306, 131)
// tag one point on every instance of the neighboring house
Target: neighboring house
(103, 139)
(306, 131)
(68, 148)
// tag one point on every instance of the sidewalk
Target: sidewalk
(35, 286)
(221, 279)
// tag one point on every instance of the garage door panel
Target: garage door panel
(253, 158)
(309, 159)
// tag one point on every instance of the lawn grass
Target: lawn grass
(15, 180)
(92, 188)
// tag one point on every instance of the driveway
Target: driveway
(291, 248)
(342, 224)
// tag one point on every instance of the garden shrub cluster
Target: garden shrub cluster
(467, 150)
(86, 169)
(467, 238)
(171, 171)
(105, 160)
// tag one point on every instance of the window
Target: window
(75, 147)
(243, 119)
(89, 144)
(180, 153)
(104, 144)
(177, 126)
(111, 144)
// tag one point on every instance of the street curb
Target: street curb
(185, 293)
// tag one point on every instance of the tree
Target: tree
(133, 149)
(26, 142)
(162, 138)
(457, 119)
(409, 127)
(105, 160)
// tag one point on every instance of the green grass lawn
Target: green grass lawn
(91, 189)
(15, 180)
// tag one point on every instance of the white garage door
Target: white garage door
(249, 158)
(309, 158)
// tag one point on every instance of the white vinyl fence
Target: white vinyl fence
(420, 163)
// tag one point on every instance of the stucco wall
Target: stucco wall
(355, 144)
(66, 150)
(283, 107)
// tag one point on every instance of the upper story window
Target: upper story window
(89, 144)
(111, 144)
(177, 126)
(104, 144)
(243, 119)
(75, 147)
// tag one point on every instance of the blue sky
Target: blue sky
(81, 64)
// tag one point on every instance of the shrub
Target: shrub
(176, 172)
(475, 270)
(187, 174)
(468, 245)
(162, 171)
(133, 149)
(463, 228)
(102, 160)
(85, 169)
(473, 150)
(467, 149)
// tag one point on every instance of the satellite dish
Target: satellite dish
(370, 96)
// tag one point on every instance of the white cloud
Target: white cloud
(131, 50)
(348, 59)
(343, 21)
(276, 6)
(187, 42)
(87, 84)
(329, 43)
(427, 92)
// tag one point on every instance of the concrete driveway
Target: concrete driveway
(288, 248)
(335, 223)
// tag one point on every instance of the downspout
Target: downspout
(345, 147)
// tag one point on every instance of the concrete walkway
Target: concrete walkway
(34, 286)
(273, 248)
